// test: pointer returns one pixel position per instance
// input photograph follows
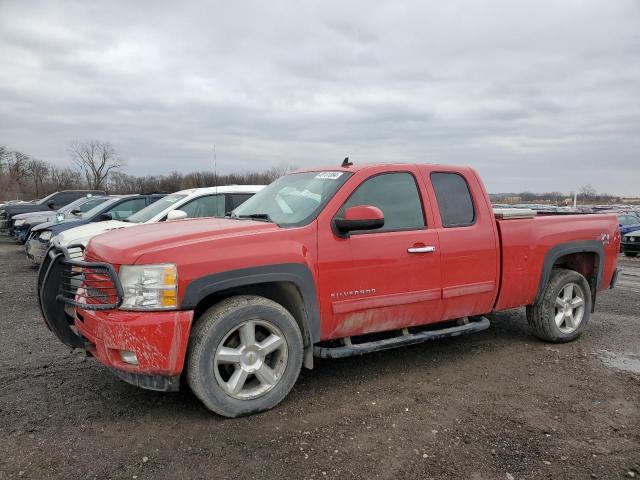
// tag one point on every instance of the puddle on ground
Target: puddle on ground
(621, 361)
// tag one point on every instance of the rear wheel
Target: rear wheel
(245, 354)
(565, 308)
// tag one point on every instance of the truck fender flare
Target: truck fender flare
(295, 273)
(550, 258)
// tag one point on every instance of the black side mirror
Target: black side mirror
(76, 211)
(104, 217)
(51, 204)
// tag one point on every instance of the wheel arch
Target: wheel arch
(584, 257)
(291, 285)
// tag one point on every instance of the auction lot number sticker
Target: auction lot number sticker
(329, 175)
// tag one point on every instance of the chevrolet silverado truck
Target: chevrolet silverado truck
(321, 263)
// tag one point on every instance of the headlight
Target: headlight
(149, 287)
(20, 222)
(632, 239)
(45, 236)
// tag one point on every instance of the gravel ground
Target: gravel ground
(495, 405)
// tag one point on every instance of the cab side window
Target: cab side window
(454, 199)
(126, 208)
(209, 206)
(396, 194)
(237, 199)
(62, 199)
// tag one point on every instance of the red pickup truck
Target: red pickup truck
(321, 263)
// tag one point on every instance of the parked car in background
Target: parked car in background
(311, 266)
(24, 222)
(115, 208)
(628, 222)
(192, 203)
(631, 243)
(54, 201)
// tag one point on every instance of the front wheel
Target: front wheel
(565, 308)
(245, 355)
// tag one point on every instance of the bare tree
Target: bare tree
(17, 170)
(5, 153)
(64, 179)
(96, 160)
(588, 192)
(38, 171)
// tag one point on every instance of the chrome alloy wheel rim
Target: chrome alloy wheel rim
(569, 308)
(251, 359)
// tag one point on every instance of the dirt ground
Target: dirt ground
(495, 405)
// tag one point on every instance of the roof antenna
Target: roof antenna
(215, 167)
(346, 162)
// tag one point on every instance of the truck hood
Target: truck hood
(57, 227)
(12, 210)
(120, 247)
(39, 213)
(82, 234)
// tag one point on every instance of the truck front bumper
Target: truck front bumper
(151, 344)
(631, 246)
(36, 249)
(147, 348)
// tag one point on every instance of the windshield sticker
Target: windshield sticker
(329, 175)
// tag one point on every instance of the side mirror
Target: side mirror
(76, 211)
(362, 217)
(50, 204)
(104, 217)
(176, 215)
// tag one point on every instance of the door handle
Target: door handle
(426, 249)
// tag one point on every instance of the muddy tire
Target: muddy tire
(565, 308)
(245, 354)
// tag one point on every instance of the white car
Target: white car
(192, 203)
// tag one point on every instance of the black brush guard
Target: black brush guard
(58, 280)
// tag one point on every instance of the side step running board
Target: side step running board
(350, 349)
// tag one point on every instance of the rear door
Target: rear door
(383, 279)
(205, 206)
(124, 209)
(468, 237)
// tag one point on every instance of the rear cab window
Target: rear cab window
(454, 199)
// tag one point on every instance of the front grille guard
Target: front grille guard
(102, 293)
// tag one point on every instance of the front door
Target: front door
(384, 279)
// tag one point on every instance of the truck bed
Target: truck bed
(526, 243)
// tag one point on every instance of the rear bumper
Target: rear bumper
(158, 340)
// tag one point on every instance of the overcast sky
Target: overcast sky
(539, 95)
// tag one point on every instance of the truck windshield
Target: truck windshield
(292, 200)
(155, 208)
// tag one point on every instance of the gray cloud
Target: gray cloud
(539, 95)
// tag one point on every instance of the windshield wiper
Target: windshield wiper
(256, 216)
